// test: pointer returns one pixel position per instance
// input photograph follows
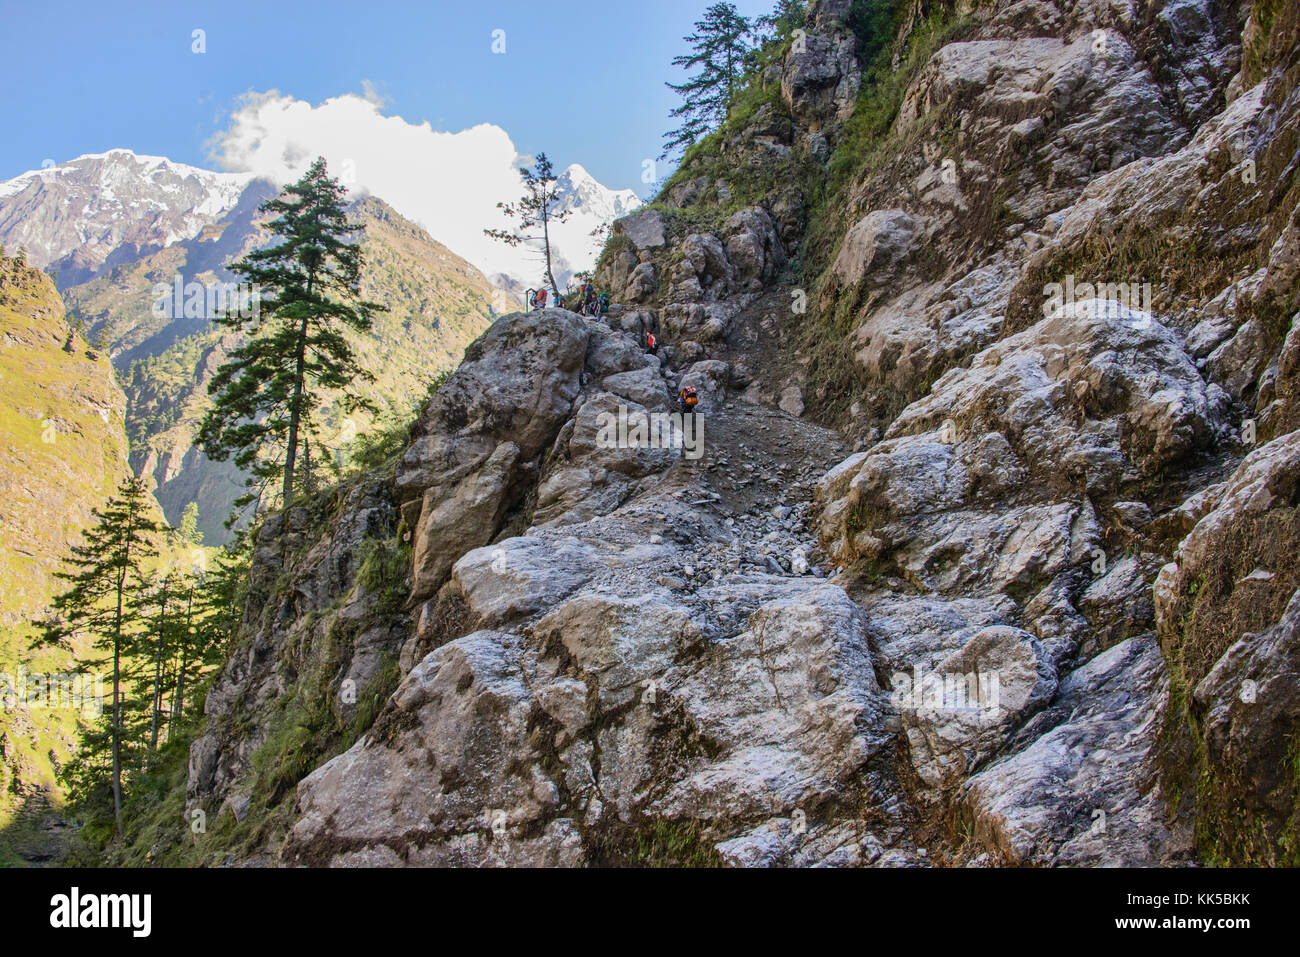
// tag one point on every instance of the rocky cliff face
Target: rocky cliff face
(988, 558)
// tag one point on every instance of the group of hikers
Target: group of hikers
(585, 301)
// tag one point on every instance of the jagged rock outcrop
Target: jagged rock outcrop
(615, 681)
(319, 634)
(821, 73)
(880, 240)
(608, 707)
(1081, 792)
(479, 438)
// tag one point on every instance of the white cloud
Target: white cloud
(449, 183)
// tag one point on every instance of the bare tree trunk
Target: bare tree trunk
(157, 675)
(117, 716)
(295, 414)
(306, 464)
(546, 240)
(178, 702)
(295, 408)
(117, 682)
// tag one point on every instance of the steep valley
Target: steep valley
(437, 303)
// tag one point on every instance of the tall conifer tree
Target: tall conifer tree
(719, 45)
(309, 287)
(104, 573)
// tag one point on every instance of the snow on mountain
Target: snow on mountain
(83, 216)
(591, 207)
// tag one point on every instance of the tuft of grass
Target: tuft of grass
(675, 844)
(385, 571)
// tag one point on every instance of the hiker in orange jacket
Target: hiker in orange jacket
(688, 401)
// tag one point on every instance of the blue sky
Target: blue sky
(581, 79)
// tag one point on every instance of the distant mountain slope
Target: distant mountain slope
(62, 451)
(111, 227)
(438, 304)
(83, 217)
(62, 446)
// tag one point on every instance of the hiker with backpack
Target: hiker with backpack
(586, 299)
(688, 401)
(537, 298)
(648, 340)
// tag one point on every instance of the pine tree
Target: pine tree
(188, 654)
(309, 286)
(719, 46)
(103, 573)
(537, 207)
(212, 611)
(188, 530)
(158, 608)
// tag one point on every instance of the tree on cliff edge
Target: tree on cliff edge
(539, 206)
(786, 17)
(309, 295)
(719, 45)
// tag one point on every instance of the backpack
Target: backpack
(689, 398)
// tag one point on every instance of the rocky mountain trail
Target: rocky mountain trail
(609, 639)
(970, 572)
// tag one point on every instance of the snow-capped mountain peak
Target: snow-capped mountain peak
(591, 207)
(76, 215)
(84, 216)
(579, 190)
